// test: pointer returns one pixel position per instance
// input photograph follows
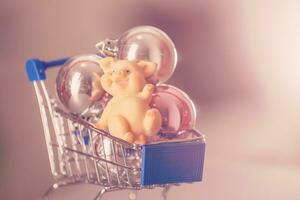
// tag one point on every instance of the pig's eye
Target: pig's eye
(127, 71)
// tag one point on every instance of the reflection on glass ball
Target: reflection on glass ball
(177, 109)
(152, 44)
(78, 84)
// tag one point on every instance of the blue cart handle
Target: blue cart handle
(36, 69)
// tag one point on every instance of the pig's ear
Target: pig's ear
(106, 63)
(148, 67)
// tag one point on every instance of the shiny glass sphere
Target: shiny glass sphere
(177, 109)
(152, 44)
(76, 82)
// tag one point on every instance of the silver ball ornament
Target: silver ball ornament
(152, 44)
(76, 83)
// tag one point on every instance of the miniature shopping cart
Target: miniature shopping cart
(80, 153)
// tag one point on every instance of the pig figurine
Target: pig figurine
(128, 115)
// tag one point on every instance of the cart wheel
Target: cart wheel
(56, 186)
(133, 195)
(164, 193)
(100, 194)
(46, 194)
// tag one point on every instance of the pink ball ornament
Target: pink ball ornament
(177, 109)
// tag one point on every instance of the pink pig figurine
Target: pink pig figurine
(128, 115)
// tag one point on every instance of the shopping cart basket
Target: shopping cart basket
(80, 153)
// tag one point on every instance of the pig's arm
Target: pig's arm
(146, 93)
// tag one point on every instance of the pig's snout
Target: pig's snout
(119, 75)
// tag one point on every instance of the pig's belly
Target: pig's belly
(133, 109)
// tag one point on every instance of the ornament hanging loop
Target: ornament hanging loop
(107, 47)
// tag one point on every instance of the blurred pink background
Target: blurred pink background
(238, 60)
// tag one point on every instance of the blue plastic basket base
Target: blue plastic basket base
(172, 162)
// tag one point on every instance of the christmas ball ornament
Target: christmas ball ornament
(151, 44)
(78, 85)
(177, 109)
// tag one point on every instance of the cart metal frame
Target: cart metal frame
(79, 153)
